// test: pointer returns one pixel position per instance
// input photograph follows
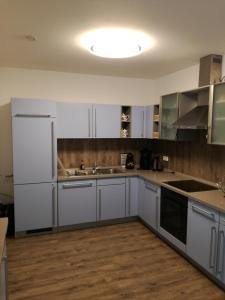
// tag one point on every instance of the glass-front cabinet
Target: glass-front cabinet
(169, 115)
(217, 126)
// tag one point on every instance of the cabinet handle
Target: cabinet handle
(219, 253)
(53, 205)
(53, 149)
(89, 122)
(143, 121)
(76, 185)
(157, 211)
(100, 204)
(95, 123)
(129, 191)
(203, 212)
(212, 248)
(32, 116)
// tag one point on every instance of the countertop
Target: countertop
(214, 199)
(3, 230)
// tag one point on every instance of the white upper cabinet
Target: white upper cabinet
(74, 120)
(149, 122)
(137, 122)
(32, 108)
(106, 121)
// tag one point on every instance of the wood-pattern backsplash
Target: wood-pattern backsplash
(199, 160)
(105, 152)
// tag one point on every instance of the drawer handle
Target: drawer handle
(150, 188)
(77, 185)
(32, 116)
(203, 212)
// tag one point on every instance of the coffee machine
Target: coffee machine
(146, 161)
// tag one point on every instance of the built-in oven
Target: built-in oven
(173, 217)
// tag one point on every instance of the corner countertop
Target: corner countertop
(214, 199)
(3, 230)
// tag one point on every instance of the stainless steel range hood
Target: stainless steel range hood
(197, 118)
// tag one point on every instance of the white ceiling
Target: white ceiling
(184, 31)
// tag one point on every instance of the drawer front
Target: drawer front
(76, 184)
(154, 188)
(203, 210)
(111, 181)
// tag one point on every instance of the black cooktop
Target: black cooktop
(191, 186)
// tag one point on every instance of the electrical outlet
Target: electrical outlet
(165, 158)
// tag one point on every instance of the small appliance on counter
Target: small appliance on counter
(157, 163)
(130, 161)
(146, 162)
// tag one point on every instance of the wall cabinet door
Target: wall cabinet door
(149, 122)
(74, 120)
(77, 202)
(217, 127)
(202, 234)
(34, 149)
(131, 196)
(106, 121)
(169, 114)
(111, 202)
(150, 204)
(137, 122)
(35, 206)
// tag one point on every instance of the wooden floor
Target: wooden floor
(113, 262)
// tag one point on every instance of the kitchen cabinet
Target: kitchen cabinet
(168, 115)
(106, 121)
(217, 115)
(220, 265)
(74, 120)
(149, 203)
(111, 199)
(149, 110)
(202, 235)
(35, 206)
(131, 196)
(77, 202)
(3, 277)
(34, 149)
(137, 122)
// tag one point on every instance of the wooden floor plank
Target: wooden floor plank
(116, 262)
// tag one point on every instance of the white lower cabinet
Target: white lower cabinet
(111, 199)
(149, 202)
(77, 202)
(3, 277)
(220, 268)
(202, 233)
(35, 206)
(131, 196)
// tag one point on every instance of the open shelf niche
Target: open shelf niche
(125, 131)
(156, 120)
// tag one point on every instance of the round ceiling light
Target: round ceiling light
(116, 42)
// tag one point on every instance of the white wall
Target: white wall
(71, 87)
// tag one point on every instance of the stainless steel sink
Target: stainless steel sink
(98, 171)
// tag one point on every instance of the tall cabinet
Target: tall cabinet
(34, 164)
